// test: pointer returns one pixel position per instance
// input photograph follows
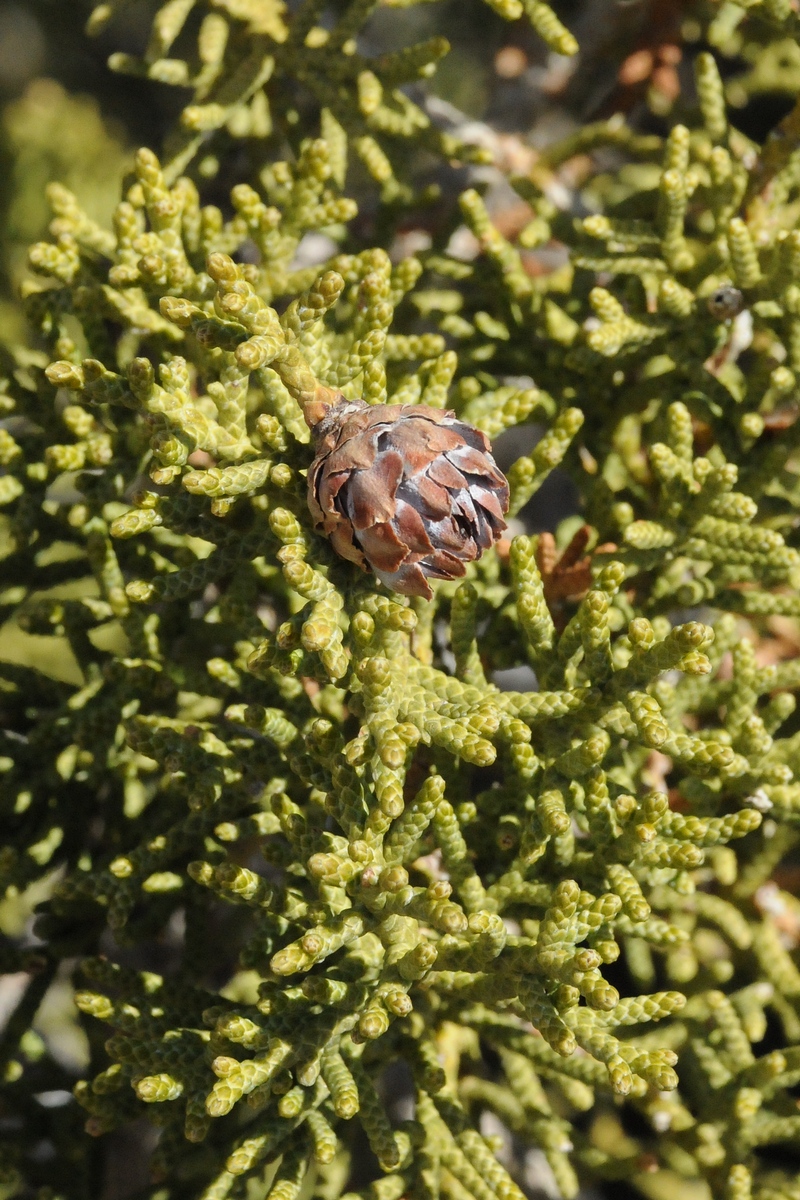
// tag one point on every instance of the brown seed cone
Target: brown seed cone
(410, 491)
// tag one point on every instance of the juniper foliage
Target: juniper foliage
(560, 913)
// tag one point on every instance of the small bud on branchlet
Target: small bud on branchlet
(410, 491)
(725, 302)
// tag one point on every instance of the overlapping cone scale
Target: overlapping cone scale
(408, 490)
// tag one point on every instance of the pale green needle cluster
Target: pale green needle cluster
(556, 922)
(252, 69)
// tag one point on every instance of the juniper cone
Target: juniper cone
(410, 491)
